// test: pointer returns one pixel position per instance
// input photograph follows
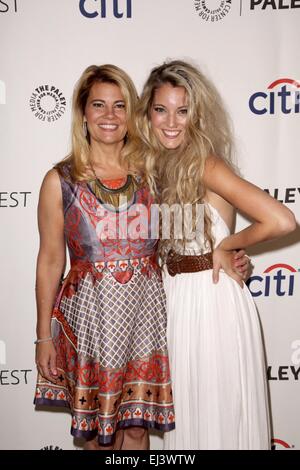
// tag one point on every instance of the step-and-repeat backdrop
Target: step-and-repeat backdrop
(249, 48)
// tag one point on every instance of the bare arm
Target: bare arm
(271, 219)
(239, 260)
(50, 264)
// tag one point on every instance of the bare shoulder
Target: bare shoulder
(51, 187)
(221, 179)
(216, 165)
(51, 178)
(211, 162)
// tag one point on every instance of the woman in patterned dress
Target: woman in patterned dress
(101, 348)
(102, 332)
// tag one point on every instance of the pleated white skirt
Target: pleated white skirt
(218, 365)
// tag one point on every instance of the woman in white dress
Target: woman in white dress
(217, 357)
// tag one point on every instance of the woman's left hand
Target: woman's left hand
(226, 260)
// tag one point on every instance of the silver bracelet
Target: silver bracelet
(37, 341)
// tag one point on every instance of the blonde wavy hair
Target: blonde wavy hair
(80, 149)
(175, 176)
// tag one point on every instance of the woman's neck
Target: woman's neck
(106, 160)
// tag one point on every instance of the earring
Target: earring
(84, 128)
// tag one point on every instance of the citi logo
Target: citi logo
(2, 93)
(106, 8)
(280, 444)
(278, 279)
(282, 96)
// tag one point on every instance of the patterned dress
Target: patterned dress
(109, 320)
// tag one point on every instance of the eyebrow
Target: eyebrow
(163, 106)
(103, 101)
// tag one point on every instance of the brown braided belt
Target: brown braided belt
(177, 263)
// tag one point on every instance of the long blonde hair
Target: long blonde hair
(80, 150)
(176, 175)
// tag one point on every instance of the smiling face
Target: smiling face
(169, 115)
(105, 114)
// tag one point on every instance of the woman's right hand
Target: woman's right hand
(223, 259)
(46, 360)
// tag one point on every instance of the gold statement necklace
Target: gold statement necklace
(114, 196)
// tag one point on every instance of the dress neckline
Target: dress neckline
(114, 183)
(217, 213)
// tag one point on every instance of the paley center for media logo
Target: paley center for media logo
(273, 4)
(287, 372)
(276, 280)
(212, 10)
(281, 97)
(106, 8)
(285, 195)
(51, 447)
(47, 103)
(9, 6)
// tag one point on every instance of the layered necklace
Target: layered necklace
(115, 196)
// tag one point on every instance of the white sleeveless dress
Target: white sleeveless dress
(217, 360)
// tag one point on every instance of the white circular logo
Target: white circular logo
(47, 103)
(51, 447)
(212, 10)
